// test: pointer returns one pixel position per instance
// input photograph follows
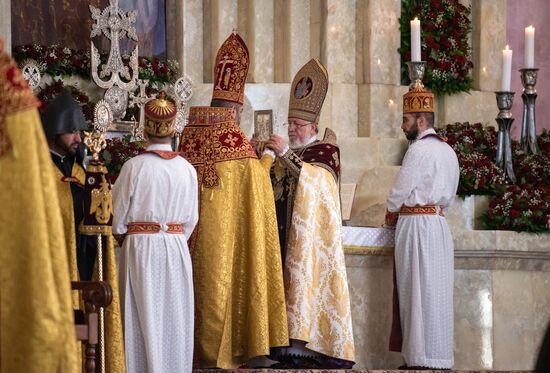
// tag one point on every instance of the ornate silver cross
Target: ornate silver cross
(115, 25)
(140, 100)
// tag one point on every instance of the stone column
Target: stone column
(292, 37)
(185, 36)
(219, 20)
(260, 41)
(338, 50)
(299, 47)
(488, 39)
(5, 25)
(379, 38)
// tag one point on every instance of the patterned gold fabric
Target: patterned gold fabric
(67, 215)
(239, 295)
(113, 326)
(308, 91)
(36, 319)
(418, 100)
(318, 303)
(213, 136)
(230, 70)
(114, 340)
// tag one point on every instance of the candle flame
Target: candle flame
(416, 19)
(333, 29)
(390, 101)
(507, 47)
(378, 62)
(484, 69)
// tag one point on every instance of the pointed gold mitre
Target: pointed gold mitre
(308, 91)
(418, 100)
(160, 115)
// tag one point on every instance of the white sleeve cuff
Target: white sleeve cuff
(269, 152)
(284, 151)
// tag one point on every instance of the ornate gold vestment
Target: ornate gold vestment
(37, 331)
(318, 302)
(114, 342)
(237, 271)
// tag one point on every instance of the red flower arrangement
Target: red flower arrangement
(475, 147)
(55, 60)
(520, 208)
(445, 32)
(62, 61)
(50, 91)
(118, 151)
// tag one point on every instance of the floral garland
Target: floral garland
(50, 91)
(55, 60)
(521, 207)
(61, 62)
(446, 27)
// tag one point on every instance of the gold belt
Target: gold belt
(421, 210)
(153, 228)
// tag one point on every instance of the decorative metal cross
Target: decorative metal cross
(31, 73)
(140, 100)
(115, 25)
(183, 91)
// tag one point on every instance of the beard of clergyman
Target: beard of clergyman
(412, 133)
(297, 144)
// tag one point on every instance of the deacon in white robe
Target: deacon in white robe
(424, 261)
(156, 205)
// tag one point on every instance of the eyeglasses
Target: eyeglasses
(286, 124)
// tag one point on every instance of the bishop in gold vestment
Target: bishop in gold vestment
(237, 268)
(305, 180)
(37, 332)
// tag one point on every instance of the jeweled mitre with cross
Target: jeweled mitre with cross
(230, 70)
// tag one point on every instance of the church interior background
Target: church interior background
(502, 277)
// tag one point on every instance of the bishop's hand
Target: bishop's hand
(277, 143)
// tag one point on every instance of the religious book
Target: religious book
(347, 194)
(263, 124)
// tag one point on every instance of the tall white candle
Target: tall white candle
(529, 57)
(415, 40)
(506, 69)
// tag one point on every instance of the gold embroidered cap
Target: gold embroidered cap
(230, 70)
(418, 100)
(160, 115)
(308, 91)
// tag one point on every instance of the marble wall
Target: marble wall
(501, 302)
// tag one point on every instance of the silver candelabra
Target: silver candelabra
(505, 120)
(417, 69)
(529, 125)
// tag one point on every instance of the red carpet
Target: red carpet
(351, 371)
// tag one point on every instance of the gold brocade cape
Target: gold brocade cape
(318, 302)
(114, 342)
(237, 270)
(37, 332)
